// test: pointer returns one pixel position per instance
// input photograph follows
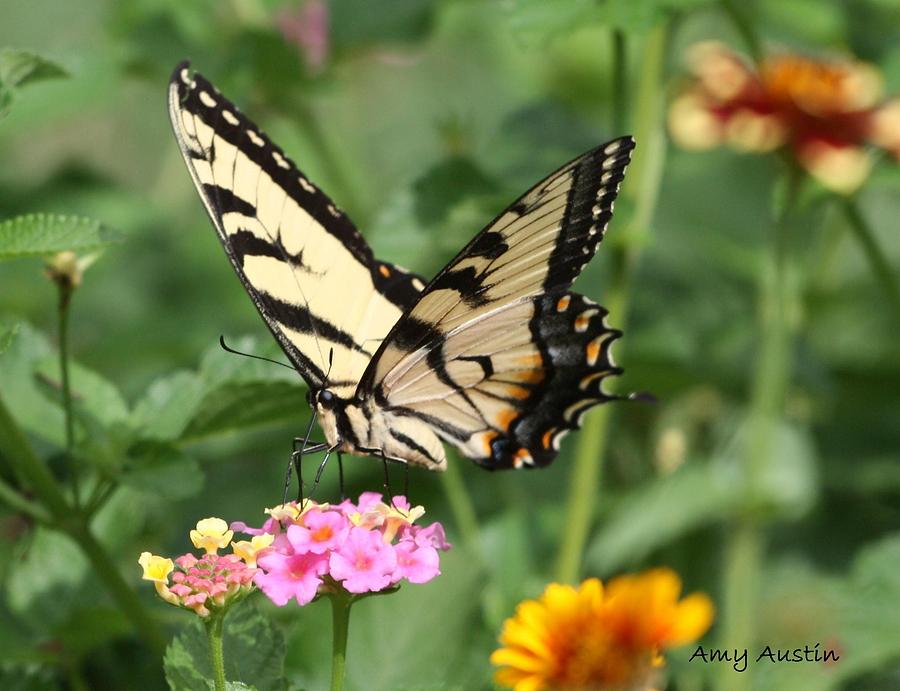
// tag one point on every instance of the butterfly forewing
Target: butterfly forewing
(311, 275)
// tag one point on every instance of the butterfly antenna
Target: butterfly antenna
(228, 349)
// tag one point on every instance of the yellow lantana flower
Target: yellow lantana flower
(594, 638)
(211, 535)
(157, 570)
(249, 549)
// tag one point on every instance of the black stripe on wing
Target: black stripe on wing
(574, 341)
(201, 98)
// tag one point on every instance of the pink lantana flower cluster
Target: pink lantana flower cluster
(366, 547)
(213, 581)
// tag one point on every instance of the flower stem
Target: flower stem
(744, 552)
(641, 189)
(460, 504)
(619, 99)
(745, 28)
(65, 301)
(340, 622)
(214, 629)
(879, 263)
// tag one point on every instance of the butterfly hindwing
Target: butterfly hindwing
(311, 275)
(497, 357)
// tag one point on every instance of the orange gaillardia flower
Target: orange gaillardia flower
(594, 638)
(827, 112)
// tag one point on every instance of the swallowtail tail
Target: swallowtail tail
(494, 356)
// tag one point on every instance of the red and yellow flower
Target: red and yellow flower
(828, 113)
(591, 637)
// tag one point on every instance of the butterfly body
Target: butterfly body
(494, 356)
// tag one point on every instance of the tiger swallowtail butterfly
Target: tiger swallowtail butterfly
(494, 356)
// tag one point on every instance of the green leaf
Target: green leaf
(240, 406)
(39, 234)
(168, 406)
(659, 511)
(253, 650)
(162, 470)
(90, 390)
(441, 634)
(43, 586)
(20, 67)
(29, 405)
(447, 183)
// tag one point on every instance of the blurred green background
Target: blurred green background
(422, 119)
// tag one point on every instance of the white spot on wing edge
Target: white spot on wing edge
(255, 138)
(230, 117)
(305, 184)
(280, 160)
(612, 148)
(207, 100)
(185, 76)
(333, 210)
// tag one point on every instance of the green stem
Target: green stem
(619, 98)
(65, 301)
(214, 627)
(28, 466)
(877, 260)
(464, 514)
(17, 502)
(340, 622)
(744, 552)
(641, 189)
(745, 28)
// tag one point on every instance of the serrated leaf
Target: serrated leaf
(20, 67)
(162, 470)
(253, 650)
(40, 234)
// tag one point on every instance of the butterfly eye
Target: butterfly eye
(325, 398)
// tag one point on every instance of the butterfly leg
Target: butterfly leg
(319, 472)
(406, 481)
(387, 480)
(296, 455)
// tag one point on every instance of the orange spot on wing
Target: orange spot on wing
(593, 351)
(526, 376)
(547, 439)
(486, 440)
(581, 323)
(563, 304)
(533, 360)
(506, 417)
(386, 272)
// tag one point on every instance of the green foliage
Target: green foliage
(424, 120)
(19, 68)
(40, 234)
(254, 654)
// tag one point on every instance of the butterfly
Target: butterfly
(494, 355)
